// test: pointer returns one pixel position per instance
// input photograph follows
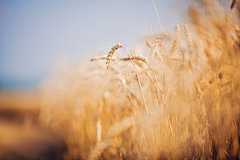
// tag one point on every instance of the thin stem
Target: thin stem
(207, 14)
(155, 88)
(159, 22)
(150, 69)
(139, 84)
(220, 9)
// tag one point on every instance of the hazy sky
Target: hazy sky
(34, 33)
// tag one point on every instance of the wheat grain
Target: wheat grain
(135, 57)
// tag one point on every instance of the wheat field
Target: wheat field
(178, 99)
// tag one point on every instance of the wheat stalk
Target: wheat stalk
(188, 37)
(143, 59)
(233, 4)
(149, 44)
(155, 87)
(110, 54)
(112, 132)
(99, 148)
(177, 31)
(229, 16)
(175, 43)
(159, 39)
(120, 127)
(159, 22)
(103, 57)
(135, 57)
(99, 125)
(141, 91)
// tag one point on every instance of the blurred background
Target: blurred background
(35, 34)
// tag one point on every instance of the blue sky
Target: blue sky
(35, 33)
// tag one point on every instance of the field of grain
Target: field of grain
(178, 99)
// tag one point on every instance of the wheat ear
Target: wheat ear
(110, 54)
(188, 37)
(135, 57)
(159, 40)
(233, 4)
(175, 43)
(149, 44)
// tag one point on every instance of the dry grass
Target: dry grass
(177, 103)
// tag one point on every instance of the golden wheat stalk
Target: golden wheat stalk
(160, 39)
(149, 44)
(155, 88)
(140, 87)
(145, 105)
(175, 43)
(229, 16)
(233, 4)
(135, 57)
(128, 91)
(174, 47)
(99, 130)
(110, 54)
(188, 37)
(143, 59)
(103, 57)
(112, 132)
(120, 127)
(99, 148)
(99, 124)
(159, 22)
(177, 31)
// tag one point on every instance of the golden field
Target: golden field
(178, 99)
